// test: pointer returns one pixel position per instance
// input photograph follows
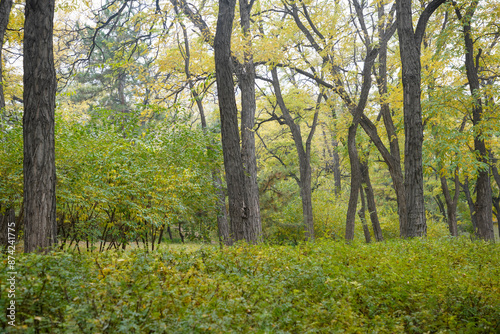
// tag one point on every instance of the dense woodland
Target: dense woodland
(272, 121)
(298, 130)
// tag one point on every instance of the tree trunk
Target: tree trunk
(370, 199)
(483, 206)
(357, 113)
(355, 182)
(392, 136)
(451, 203)
(7, 219)
(470, 203)
(5, 7)
(222, 224)
(235, 175)
(246, 77)
(414, 177)
(38, 127)
(409, 47)
(304, 157)
(336, 167)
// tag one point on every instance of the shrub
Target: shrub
(416, 286)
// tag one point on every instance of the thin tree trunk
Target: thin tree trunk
(304, 156)
(336, 167)
(370, 199)
(5, 7)
(392, 136)
(355, 181)
(38, 127)
(483, 203)
(451, 203)
(235, 175)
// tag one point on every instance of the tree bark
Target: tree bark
(235, 175)
(483, 205)
(40, 227)
(246, 77)
(409, 46)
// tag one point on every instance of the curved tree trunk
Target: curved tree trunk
(40, 227)
(483, 205)
(304, 157)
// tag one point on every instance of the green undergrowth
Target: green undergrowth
(417, 286)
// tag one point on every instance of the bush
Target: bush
(416, 286)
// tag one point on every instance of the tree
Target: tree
(5, 7)
(235, 174)
(245, 72)
(409, 46)
(9, 213)
(40, 85)
(304, 154)
(483, 205)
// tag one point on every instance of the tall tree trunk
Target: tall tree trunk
(5, 7)
(409, 46)
(222, 224)
(246, 77)
(357, 113)
(392, 136)
(235, 175)
(483, 204)
(40, 227)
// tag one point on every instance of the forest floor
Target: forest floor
(413, 286)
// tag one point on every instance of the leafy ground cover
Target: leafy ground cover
(417, 286)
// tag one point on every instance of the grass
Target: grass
(416, 286)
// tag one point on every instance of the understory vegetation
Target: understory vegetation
(415, 286)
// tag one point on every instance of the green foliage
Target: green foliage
(118, 184)
(11, 166)
(416, 286)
